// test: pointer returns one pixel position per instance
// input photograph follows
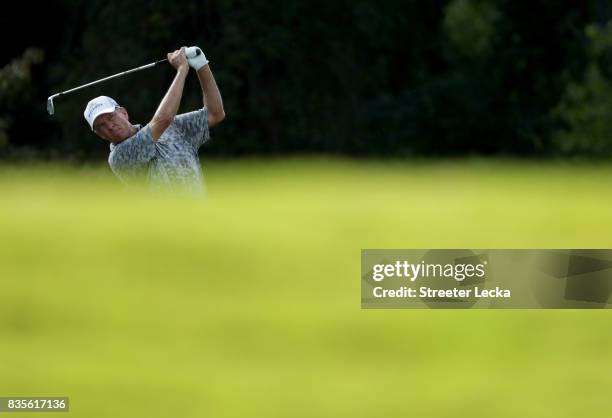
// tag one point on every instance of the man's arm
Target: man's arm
(211, 96)
(170, 103)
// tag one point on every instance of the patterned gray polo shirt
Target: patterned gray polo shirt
(171, 163)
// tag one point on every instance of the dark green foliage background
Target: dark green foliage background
(384, 78)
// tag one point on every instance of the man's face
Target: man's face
(113, 127)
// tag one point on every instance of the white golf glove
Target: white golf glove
(195, 57)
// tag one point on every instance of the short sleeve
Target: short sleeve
(132, 155)
(194, 126)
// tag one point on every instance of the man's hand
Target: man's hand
(196, 57)
(178, 59)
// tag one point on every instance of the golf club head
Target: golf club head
(50, 107)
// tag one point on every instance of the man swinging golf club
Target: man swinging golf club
(165, 151)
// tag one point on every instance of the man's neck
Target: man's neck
(135, 128)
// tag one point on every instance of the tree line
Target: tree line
(384, 78)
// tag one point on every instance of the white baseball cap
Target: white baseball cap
(98, 106)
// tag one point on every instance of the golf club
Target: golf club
(50, 107)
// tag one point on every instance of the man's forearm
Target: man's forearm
(211, 96)
(170, 103)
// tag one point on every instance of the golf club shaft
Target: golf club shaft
(111, 77)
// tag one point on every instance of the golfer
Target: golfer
(165, 151)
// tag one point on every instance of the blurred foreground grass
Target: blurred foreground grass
(247, 304)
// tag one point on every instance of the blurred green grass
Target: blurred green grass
(247, 303)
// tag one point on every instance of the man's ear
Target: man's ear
(124, 112)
